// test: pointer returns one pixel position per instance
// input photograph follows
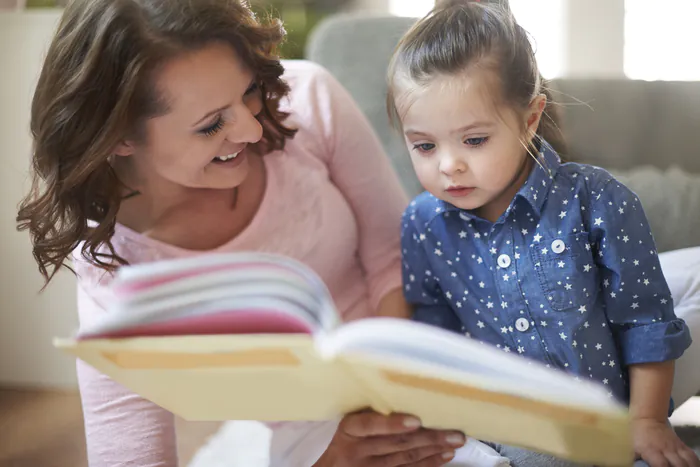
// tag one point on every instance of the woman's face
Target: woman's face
(200, 141)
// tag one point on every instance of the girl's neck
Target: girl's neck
(493, 210)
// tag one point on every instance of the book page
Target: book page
(452, 356)
(453, 382)
(243, 377)
(154, 295)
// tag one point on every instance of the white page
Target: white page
(118, 321)
(270, 276)
(439, 352)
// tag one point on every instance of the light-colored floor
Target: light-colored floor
(45, 429)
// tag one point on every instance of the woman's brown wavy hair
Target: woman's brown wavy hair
(97, 88)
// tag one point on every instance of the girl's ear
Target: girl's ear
(533, 115)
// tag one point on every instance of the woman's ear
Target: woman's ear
(124, 148)
(533, 115)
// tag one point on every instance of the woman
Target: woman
(169, 128)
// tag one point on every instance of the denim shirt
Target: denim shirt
(569, 275)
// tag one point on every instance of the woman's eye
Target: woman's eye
(423, 147)
(476, 141)
(252, 89)
(214, 128)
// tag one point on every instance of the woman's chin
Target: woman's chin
(224, 177)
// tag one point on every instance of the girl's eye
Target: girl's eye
(476, 141)
(423, 147)
(214, 128)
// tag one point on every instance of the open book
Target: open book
(256, 337)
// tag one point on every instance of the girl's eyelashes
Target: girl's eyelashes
(472, 142)
(423, 147)
(214, 128)
(475, 142)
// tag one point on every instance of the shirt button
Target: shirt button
(558, 246)
(504, 261)
(522, 324)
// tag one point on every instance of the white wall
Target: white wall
(595, 38)
(28, 320)
(593, 30)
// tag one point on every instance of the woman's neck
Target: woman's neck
(179, 215)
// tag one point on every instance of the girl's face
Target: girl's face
(464, 149)
(200, 142)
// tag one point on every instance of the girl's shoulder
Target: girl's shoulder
(587, 177)
(423, 209)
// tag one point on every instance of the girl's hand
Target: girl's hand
(370, 439)
(657, 444)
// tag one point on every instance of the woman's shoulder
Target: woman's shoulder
(313, 105)
(316, 96)
(305, 75)
(131, 246)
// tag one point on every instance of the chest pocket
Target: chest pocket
(566, 271)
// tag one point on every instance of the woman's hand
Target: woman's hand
(370, 439)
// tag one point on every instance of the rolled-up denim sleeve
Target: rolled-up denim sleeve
(638, 301)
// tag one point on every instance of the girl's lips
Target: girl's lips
(459, 192)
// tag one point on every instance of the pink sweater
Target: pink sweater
(332, 201)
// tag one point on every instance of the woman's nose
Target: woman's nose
(245, 128)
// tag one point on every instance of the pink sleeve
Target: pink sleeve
(121, 428)
(360, 168)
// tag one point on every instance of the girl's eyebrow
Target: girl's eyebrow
(471, 126)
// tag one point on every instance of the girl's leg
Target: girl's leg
(523, 458)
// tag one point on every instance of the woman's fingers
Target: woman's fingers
(428, 456)
(365, 424)
(440, 440)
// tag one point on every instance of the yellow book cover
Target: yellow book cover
(256, 337)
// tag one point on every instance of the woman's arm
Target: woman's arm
(394, 305)
(360, 168)
(121, 428)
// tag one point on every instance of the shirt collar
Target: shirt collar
(538, 184)
(534, 190)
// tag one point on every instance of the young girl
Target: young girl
(509, 245)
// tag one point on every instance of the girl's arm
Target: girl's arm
(650, 390)
(638, 302)
(639, 308)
